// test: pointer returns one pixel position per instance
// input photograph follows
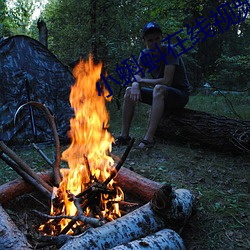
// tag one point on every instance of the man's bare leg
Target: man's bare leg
(128, 110)
(156, 113)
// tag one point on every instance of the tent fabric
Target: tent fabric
(30, 72)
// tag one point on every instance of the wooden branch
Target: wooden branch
(120, 163)
(10, 237)
(26, 176)
(23, 165)
(35, 146)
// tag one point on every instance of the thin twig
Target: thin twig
(120, 163)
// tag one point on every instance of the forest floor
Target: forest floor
(219, 180)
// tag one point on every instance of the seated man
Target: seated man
(168, 89)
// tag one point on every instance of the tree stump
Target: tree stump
(212, 131)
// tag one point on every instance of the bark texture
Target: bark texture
(15, 188)
(131, 182)
(163, 239)
(212, 131)
(167, 209)
(10, 237)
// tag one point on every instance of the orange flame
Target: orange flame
(87, 156)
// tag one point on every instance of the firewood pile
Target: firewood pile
(155, 222)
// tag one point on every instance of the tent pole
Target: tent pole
(33, 125)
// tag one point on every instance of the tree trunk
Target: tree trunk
(10, 237)
(212, 131)
(43, 32)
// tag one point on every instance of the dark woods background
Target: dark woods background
(111, 30)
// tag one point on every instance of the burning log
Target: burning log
(167, 209)
(163, 239)
(216, 132)
(10, 237)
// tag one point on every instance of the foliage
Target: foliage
(111, 31)
(232, 72)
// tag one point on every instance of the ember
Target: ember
(87, 188)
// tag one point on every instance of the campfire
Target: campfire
(87, 188)
(87, 198)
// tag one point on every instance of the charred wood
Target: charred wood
(138, 186)
(120, 163)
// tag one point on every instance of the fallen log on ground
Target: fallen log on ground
(140, 187)
(10, 237)
(131, 182)
(18, 187)
(163, 239)
(212, 131)
(150, 218)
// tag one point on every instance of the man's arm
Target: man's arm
(167, 79)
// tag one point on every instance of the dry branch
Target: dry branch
(25, 176)
(23, 165)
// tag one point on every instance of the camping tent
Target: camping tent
(30, 72)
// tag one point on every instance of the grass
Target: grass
(219, 180)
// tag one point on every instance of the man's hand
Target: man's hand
(135, 93)
(138, 78)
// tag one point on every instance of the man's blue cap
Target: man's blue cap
(150, 26)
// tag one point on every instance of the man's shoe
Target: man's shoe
(146, 144)
(121, 141)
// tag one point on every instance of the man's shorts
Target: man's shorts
(175, 99)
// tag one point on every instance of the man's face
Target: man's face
(153, 38)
